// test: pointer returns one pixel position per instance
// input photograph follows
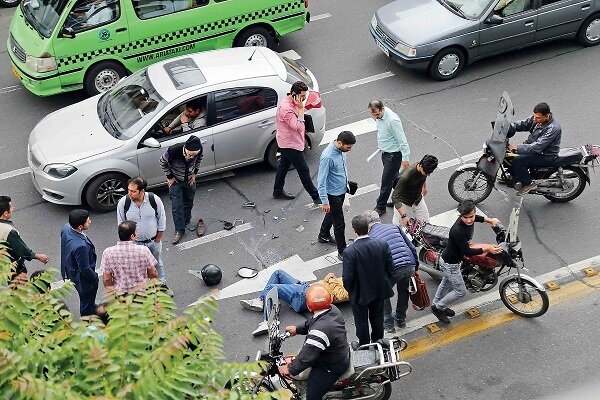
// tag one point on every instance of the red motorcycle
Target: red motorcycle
(520, 293)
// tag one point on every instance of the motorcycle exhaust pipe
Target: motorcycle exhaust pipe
(434, 273)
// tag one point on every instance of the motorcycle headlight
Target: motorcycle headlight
(45, 63)
(59, 171)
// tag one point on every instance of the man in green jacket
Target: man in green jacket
(16, 248)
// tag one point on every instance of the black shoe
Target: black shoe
(317, 201)
(341, 256)
(354, 345)
(390, 329)
(389, 204)
(449, 312)
(440, 314)
(283, 196)
(380, 211)
(329, 239)
(401, 324)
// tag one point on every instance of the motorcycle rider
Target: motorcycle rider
(325, 349)
(452, 287)
(540, 149)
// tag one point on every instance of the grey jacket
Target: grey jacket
(544, 139)
(174, 164)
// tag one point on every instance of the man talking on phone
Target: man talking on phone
(291, 140)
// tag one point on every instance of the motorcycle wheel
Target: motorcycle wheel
(385, 392)
(469, 184)
(524, 299)
(574, 175)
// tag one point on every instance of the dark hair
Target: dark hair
(542, 108)
(298, 87)
(196, 104)
(346, 137)
(376, 105)
(139, 182)
(360, 225)
(429, 163)
(78, 217)
(41, 286)
(466, 207)
(4, 204)
(126, 229)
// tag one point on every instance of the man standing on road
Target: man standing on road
(333, 184)
(291, 141)
(16, 248)
(366, 273)
(126, 267)
(148, 212)
(406, 261)
(181, 163)
(394, 149)
(452, 287)
(411, 189)
(78, 260)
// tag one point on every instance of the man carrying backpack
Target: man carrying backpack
(147, 211)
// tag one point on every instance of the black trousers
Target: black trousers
(400, 278)
(391, 170)
(335, 218)
(373, 313)
(296, 158)
(87, 303)
(321, 379)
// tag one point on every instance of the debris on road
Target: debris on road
(300, 228)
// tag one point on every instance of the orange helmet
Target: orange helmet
(317, 298)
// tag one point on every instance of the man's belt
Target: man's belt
(145, 241)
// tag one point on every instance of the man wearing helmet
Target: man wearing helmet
(325, 349)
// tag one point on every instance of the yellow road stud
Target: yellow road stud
(552, 285)
(433, 328)
(473, 313)
(591, 271)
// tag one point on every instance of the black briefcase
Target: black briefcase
(309, 126)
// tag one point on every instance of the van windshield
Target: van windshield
(43, 15)
(127, 108)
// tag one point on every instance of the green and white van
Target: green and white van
(62, 45)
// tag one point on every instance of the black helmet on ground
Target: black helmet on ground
(211, 274)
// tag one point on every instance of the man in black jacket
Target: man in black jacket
(367, 270)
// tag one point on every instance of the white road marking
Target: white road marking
(361, 127)
(14, 173)
(9, 89)
(320, 16)
(457, 161)
(360, 191)
(368, 79)
(213, 236)
(291, 54)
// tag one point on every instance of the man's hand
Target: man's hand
(424, 191)
(42, 258)
(291, 329)
(171, 181)
(492, 248)
(184, 119)
(283, 370)
(512, 148)
(404, 164)
(192, 180)
(329, 276)
(325, 208)
(493, 221)
(167, 130)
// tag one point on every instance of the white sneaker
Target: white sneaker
(252, 304)
(261, 329)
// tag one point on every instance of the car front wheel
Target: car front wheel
(589, 33)
(447, 64)
(104, 191)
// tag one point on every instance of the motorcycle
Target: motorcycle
(562, 181)
(372, 366)
(521, 294)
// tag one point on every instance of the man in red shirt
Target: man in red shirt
(291, 141)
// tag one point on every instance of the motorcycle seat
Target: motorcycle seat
(568, 155)
(436, 235)
(364, 358)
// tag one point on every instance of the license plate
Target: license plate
(14, 70)
(382, 47)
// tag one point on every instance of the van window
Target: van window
(235, 103)
(88, 14)
(146, 9)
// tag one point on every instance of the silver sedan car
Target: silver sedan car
(85, 153)
(442, 36)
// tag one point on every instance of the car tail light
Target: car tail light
(306, 3)
(313, 100)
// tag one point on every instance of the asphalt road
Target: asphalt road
(441, 118)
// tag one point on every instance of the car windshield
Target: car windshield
(467, 9)
(126, 109)
(43, 15)
(296, 72)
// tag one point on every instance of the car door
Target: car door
(243, 123)
(517, 28)
(557, 18)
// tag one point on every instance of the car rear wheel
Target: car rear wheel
(447, 64)
(589, 33)
(103, 77)
(255, 36)
(104, 191)
(9, 3)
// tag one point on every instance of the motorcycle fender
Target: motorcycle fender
(465, 166)
(587, 175)
(538, 285)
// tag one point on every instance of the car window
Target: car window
(296, 72)
(88, 14)
(181, 120)
(511, 7)
(234, 103)
(146, 9)
(546, 2)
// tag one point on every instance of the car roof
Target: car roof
(219, 66)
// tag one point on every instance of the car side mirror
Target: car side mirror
(494, 19)
(68, 33)
(151, 143)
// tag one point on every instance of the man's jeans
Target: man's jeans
(400, 278)
(296, 158)
(522, 163)
(391, 170)
(452, 287)
(420, 211)
(335, 218)
(182, 201)
(289, 289)
(156, 250)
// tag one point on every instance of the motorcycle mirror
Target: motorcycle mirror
(247, 272)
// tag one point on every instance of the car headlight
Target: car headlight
(406, 50)
(374, 22)
(59, 170)
(45, 63)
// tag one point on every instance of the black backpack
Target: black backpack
(151, 199)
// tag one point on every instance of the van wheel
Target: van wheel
(589, 33)
(9, 3)
(104, 191)
(255, 36)
(102, 77)
(447, 64)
